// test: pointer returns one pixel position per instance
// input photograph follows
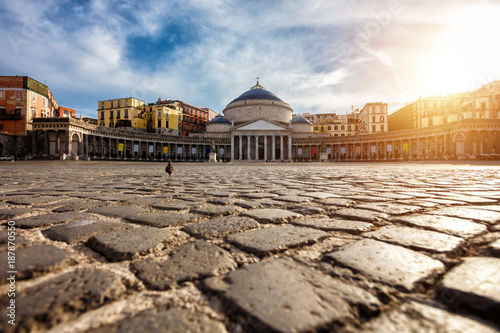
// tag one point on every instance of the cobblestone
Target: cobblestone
(391, 264)
(220, 227)
(275, 239)
(190, 261)
(130, 243)
(416, 239)
(373, 247)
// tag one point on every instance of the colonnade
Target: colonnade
(261, 147)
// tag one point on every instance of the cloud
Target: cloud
(317, 55)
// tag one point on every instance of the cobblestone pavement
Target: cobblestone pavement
(119, 246)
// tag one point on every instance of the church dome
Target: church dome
(300, 120)
(219, 119)
(257, 92)
(258, 104)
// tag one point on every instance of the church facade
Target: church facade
(259, 125)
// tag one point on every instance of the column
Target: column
(384, 151)
(248, 145)
(274, 149)
(241, 148)
(34, 143)
(401, 152)
(361, 150)
(436, 147)
(232, 148)
(108, 148)
(281, 148)
(256, 147)
(117, 152)
(290, 149)
(86, 152)
(265, 148)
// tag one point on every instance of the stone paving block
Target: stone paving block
(188, 262)
(216, 211)
(294, 199)
(368, 198)
(34, 260)
(391, 208)
(416, 317)
(416, 239)
(494, 208)
(35, 200)
(451, 225)
(320, 195)
(360, 214)
(120, 211)
(284, 296)
(305, 209)
(260, 195)
(223, 201)
(474, 283)
(78, 231)
(260, 204)
(176, 205)
(49, 219)
(470, 199)
(162, 219)
(220, 227)
(391, 264)
(275, 239)
(62, 299)
(421, 203)
(446, 202)
(494, 248)
(12, 213)
(271, 215)
(480, 215)
(131, 243)
(173, 320)
(80, 206)
(337, 202)
(329, 224)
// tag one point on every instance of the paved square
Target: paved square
(250, 246)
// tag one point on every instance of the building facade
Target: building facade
(482, 103)
(129, 112)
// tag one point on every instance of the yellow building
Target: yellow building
(334, 124)
(126, 112)
(164, 117)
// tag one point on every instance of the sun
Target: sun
(464, 53)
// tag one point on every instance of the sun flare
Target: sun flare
(467, 48)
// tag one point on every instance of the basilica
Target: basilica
(259, 125)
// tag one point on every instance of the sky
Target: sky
(319, 56)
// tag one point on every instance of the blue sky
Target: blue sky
(317, 55)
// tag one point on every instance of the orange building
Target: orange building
(66, 112)
(22, 99)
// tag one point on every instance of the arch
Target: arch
(78, 138)
(458, 137)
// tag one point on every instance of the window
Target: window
(111, 124)
(18, 95)
(150, 117)
(159, 123)
(315, 128)
(33, 97)
(374, 128)
(382, 119)
(431, 122)
(102, 115)
(483, 105)
(336, 128)
(2, 111)
(117, 114)
(159, 113)
(329, 128)
(111, 104)
(126, 102)
(445, 120)
(382, 128)
(111, 115)
(373, 119)
(373, 109)
(18, 110)
(118, 104)
(349, 127)
(126, 113)
(102, 105)
(342, 127)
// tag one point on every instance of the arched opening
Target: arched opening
(459, 140)
(75, 139)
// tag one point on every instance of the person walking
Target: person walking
(12, 159)
(169, 169)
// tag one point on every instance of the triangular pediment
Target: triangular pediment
(261, 125)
